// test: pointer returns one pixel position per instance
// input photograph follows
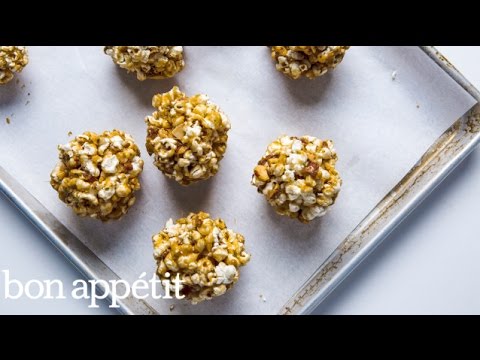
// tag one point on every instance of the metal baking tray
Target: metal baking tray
(402, 119)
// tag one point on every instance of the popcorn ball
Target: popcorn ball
(149, 62)
(203, 252)
(309, 61)
(298, 176)
(186, 135)
(12, 60)
(97, 175)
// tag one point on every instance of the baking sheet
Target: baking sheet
(380, 127)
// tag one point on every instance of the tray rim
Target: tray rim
(92, 268)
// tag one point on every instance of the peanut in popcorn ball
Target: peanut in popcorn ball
(187, 136)
(309, 61)
(203, 252)
(149, 62)
(97, 175)
(12, 60)
(298, 176)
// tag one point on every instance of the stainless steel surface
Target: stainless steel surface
(456, 143)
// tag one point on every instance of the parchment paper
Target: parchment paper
(380, 128)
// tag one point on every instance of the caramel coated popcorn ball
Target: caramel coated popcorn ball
(203, 252)
(186, 135)
(97, 175)
(309, 61)
(298, 176)
(149, 62)
(12, 60)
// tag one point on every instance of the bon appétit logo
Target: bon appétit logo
(92, 290)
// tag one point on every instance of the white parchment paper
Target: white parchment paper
(380, 128)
